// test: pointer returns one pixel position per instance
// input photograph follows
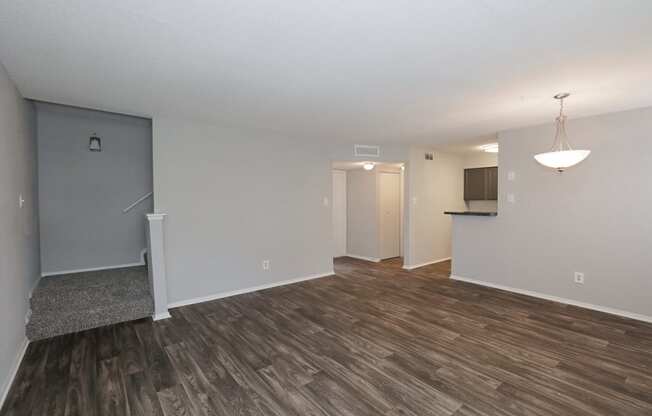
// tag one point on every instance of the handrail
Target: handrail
(138, 201)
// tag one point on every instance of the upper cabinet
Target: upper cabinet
(481, 184)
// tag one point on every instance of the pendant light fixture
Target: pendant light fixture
(562, 155)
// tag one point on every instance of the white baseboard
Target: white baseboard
(159, 316)
(92, 269)
(14, 370)
(31, 291)
(373, 259)
(605, 309)
(416, 266)
(246, 290)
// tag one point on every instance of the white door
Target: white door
(390, 222)
(339, 213)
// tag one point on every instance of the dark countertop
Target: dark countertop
(477, 213)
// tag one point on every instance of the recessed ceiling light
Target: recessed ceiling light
(368, 165)
(489, 148)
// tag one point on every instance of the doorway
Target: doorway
(339, 213)
(367, 204)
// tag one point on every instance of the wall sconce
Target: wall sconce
(95, 143)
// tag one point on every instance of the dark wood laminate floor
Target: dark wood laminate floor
(374, 340)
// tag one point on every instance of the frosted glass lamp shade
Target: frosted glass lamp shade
(562, 159)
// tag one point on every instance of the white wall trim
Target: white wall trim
(92, 269)
(247, 290)
(355, 256)
(14, 370)
(157, 216)
(31, 291)
(416, 266)
(605, 309)
(159, 316)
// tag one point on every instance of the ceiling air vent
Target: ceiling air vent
(361, 150)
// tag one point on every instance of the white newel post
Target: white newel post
(156, 263)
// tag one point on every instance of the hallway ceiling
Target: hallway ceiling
(395, 167)
(366, 70)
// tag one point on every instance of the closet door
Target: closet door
(390, 221)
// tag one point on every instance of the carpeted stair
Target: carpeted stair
(74, 302)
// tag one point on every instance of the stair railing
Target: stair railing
(136, 202)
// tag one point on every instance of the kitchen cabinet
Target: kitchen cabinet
(481, 184)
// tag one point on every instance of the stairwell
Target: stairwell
(75, 302)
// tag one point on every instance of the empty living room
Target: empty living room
(325, 208)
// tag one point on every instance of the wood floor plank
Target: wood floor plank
(158, 365)
(374, 339)
(81, 399)
(58, 373)
(111, 394)
(175, 402)
(141, 395)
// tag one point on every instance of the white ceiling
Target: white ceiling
(467, 147)
(421, 71)
(393, 167)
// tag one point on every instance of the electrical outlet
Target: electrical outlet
(579, 278)
(511, 198)
(266, 265)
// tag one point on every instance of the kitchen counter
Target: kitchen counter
(476, 213)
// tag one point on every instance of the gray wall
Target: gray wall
(362, 213)
(593, 218)
(434, 186)
(83, 193)
(19, 258)
(235, 198)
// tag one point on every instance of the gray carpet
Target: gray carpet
(75, 302)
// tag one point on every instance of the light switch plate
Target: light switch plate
(511, 198)
(511, 175)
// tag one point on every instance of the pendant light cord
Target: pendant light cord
(561, 107)
(561, 141)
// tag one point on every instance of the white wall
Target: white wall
(481, 160)
(235, 198)
(19, 252)
(434, 186)
(83, 193)
(593, 218)
(362, 213)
